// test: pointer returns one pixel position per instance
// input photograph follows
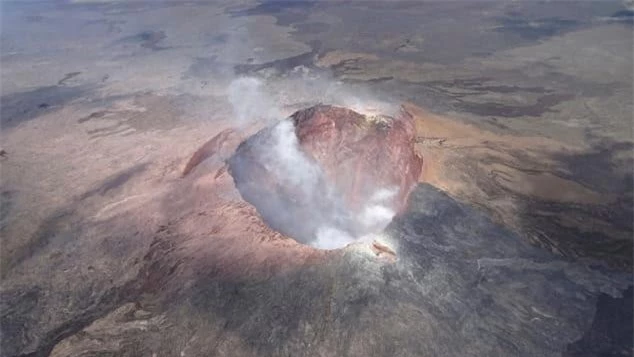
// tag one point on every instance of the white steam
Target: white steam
(376, 215)
(250, 102)
(331, 238)
(289, 162)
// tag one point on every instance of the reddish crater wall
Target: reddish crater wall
(361, 154)
(355, 157)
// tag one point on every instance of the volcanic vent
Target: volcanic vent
(328, 175)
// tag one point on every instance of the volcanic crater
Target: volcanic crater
(326, 176)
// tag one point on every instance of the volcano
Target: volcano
(327, 174)
(255, 258)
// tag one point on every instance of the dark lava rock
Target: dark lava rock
(462, 286)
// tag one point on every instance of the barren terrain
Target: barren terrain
(516, 239)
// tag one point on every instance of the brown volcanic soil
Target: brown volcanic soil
(219, 234)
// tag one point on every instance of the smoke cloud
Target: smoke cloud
(331, 238)
(289, 163)
(250, 102)
(375, 214)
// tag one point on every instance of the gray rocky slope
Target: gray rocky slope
(462, 286)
